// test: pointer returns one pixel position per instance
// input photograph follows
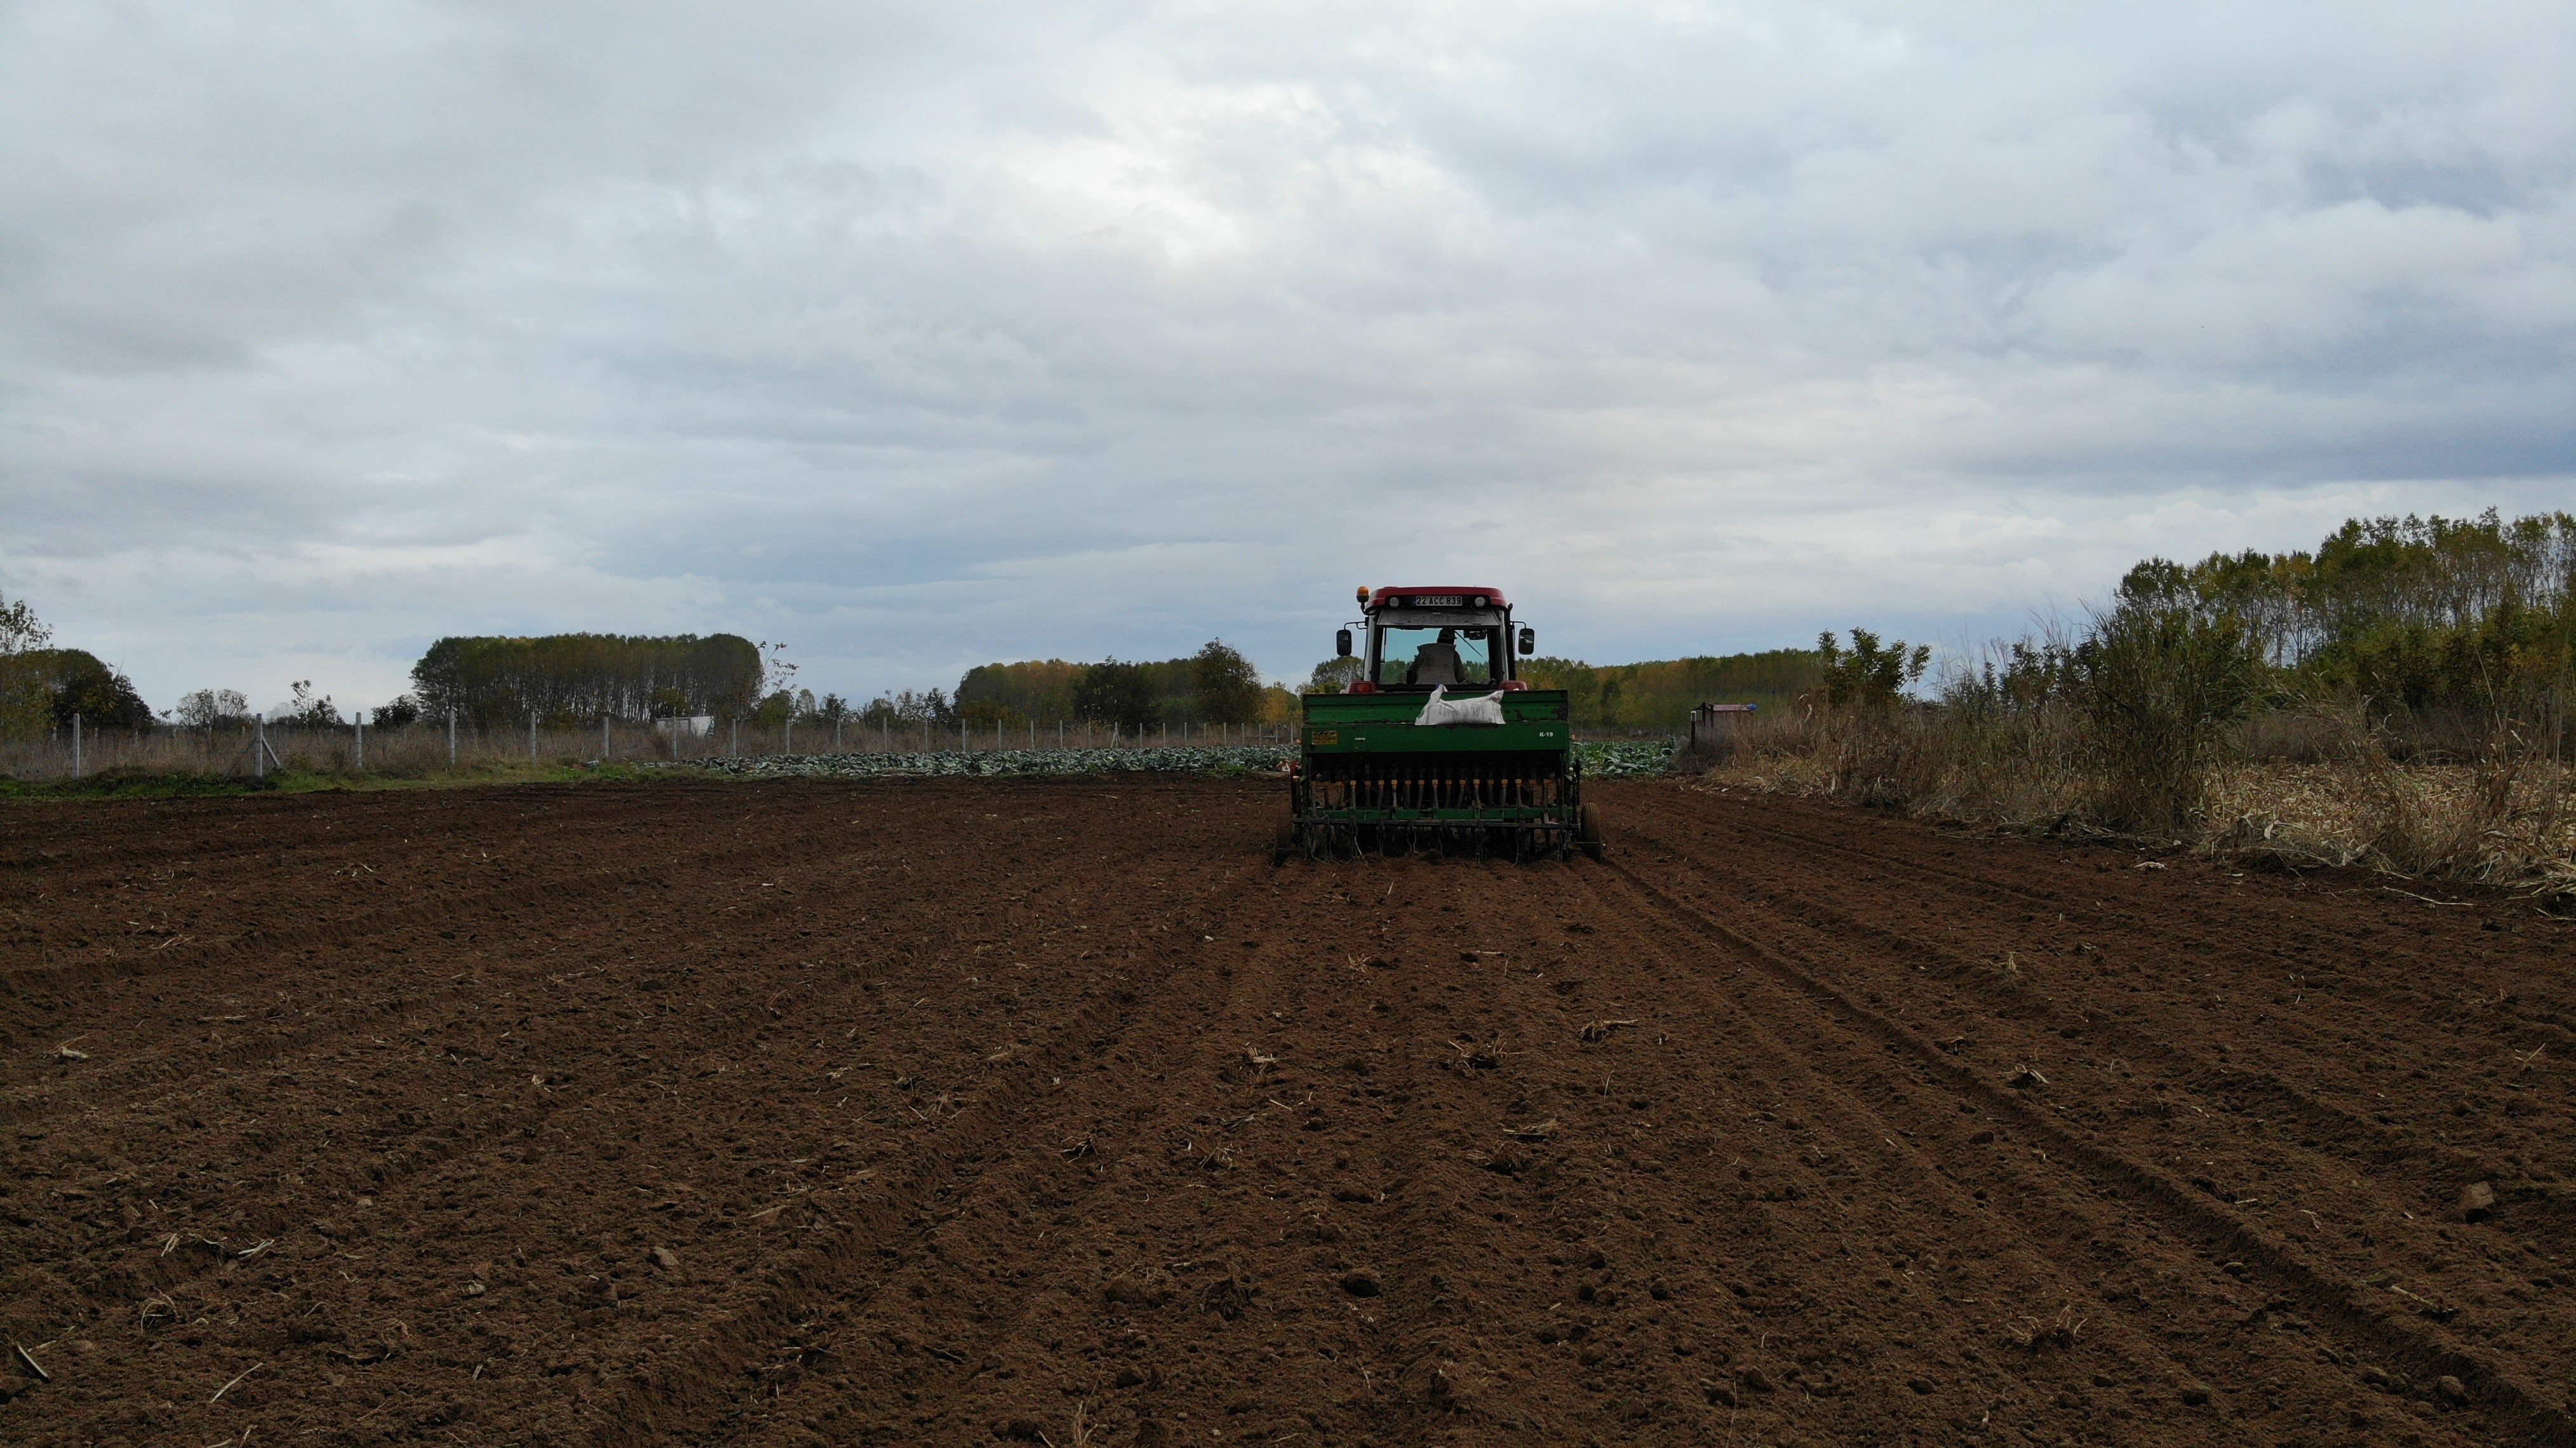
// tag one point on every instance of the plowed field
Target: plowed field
(937, 1112)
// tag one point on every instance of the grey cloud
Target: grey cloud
(924, 336)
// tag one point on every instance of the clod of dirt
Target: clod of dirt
(1754, 1379)
(1360, 1284)
(1923, 1386)
(2451, 1390)
(2477, 1201)
(2194, 1395)
(2026, 1078)
(665, 1258)
(1127, 1378)
(1444, 1384)
(1719, 1394)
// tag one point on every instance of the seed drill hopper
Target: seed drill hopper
(1436, 743)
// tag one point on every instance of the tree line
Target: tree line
(580, 677)
(2415, 616)
(1216, 685)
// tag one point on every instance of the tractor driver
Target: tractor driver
(1437, 661)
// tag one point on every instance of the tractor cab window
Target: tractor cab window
(1423, 657)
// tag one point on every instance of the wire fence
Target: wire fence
(432, 747)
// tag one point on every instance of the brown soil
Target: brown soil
(940, 1112)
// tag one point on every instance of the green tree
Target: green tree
(1116, 692)
(1224, 685)
(311, 712)
(207, 708)
(20, 631)
(1869, 675)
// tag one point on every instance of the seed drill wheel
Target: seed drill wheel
(1588, 836)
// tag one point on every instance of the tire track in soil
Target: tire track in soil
(2393, 1187)
(1846, 1106)
(900, 1230)
(2439, 1167)
(2128, 1305)
(945, 1402)
(2511, 1399)
(2555, 1024)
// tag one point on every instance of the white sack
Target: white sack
(1443, 710)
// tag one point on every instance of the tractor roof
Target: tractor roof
(1493, 597)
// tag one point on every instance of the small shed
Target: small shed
(1713, 726)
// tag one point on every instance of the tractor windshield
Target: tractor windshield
(1426, 656)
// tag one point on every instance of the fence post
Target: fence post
(532, 736)
(788, 744)
(259, 749)
(361, 726)
(734, 750)
(603, 739)
(451, 738)
(76, 744)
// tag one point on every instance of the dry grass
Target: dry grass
(2310, 786)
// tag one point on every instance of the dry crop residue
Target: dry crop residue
(956, 1111)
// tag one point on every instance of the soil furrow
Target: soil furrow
(2514, 1398)
(1017, 1106)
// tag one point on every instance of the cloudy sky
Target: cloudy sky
(917, 336)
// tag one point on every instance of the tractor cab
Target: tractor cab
(1418, 639)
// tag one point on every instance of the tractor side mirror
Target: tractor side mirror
(1529, 640)
(1341, 643)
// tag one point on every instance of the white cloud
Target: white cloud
(923, 336)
